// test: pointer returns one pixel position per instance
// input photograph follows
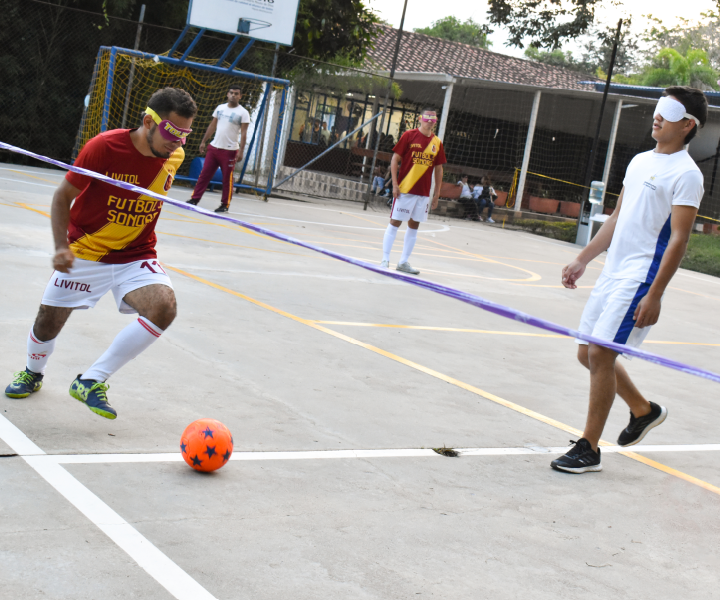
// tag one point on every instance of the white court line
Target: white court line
(77, 459)
(446, 228)
(23, 182)
(140, 549)
(37, 172)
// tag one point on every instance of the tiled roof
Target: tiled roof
(427, 54)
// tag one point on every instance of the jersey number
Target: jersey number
(146, 264)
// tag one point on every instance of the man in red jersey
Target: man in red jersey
(421, 154)
(105, 240)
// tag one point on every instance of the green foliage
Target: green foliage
(669, 67)
(327, 29)
(558, 230)
(455, 30)
(543, 23)
(703, 254)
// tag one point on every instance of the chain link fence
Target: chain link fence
(58, 61)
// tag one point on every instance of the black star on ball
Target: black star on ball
(210, 451)
(183, 447)
(196, 461)
(226, 456)
(208, 433)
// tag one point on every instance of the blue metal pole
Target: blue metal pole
(227, 51)
(192, 45)
(203, 67)
(243, 52)
(276, 145)
(340, 141)
(258, 120)
(108, 90)
(177, 41)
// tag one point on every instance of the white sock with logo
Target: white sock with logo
(131, 341)
(38, 353)
(388, 240)
(410, 237)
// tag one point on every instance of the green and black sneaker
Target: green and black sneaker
(25, 383)
(93, 394)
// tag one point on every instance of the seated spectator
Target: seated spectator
(485, 195)
(466, 200)
(378, 181)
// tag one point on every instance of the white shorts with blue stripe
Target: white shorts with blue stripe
(609, 311)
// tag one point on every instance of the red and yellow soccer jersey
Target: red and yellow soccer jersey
(420, 154)
(107, 223)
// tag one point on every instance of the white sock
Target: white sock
(131, 341)
(410, 237)
(390, 235)
(38, 353)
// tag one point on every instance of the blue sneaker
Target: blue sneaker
(93, 394)
(25, 383)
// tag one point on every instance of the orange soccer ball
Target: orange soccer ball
(206, 445)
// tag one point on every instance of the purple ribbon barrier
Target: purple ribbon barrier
(498, 309)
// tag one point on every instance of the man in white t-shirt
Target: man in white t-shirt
(646, 238)
(230, 122)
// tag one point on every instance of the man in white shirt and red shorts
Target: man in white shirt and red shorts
(646, 238)
(421, 154)
(230, 122)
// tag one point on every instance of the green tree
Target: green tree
(330, 28)
(556, 58)
(455, 30)
(670, 67)
(543, 23)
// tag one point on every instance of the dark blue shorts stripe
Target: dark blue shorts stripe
(628, 323)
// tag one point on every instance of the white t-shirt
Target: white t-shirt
(478, 189)
(654, 183)
(465, 190)
(227, 133)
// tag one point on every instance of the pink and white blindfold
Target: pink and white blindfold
(168, 129)
(429, 120)
(673, 111)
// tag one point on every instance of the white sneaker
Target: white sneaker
(385, 264)
(480, 219)
(406, 268)
(489, 220)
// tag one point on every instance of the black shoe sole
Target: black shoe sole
(659, 421)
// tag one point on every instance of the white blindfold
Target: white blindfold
(673, 111)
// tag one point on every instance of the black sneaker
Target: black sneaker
(639, 427)
(193, 201)
(222, 208)
(581, 458)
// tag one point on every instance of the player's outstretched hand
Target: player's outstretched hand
(202, 147)
(647, 312)
(63, 260)
(396, 191)
(434, 204)
(571, 273)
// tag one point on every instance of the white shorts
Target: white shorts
(608, 314)
(410, 206)
(88, 281)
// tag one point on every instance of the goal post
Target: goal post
(123, 80)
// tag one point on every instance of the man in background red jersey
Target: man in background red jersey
(421, 154)
(105, 240)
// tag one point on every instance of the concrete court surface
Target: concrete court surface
(299, 353)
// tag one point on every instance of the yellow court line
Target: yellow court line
(487, 332)
(533, 276)
(455, 329)
(461, 384)
(33, 176)
(239, 246)
(362, 218)
(26, 207)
